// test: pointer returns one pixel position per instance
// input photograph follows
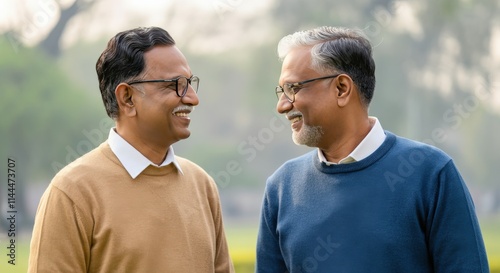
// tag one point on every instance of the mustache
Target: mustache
(292, 114)
(183, 108)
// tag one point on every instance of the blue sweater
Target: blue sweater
(404, 208)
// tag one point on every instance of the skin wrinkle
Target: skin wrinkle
(374, 173)
(309, 135)
(340, 127)
(156, 126)
(111, 210)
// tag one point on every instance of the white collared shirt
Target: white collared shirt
(366, 147)
(133, 161)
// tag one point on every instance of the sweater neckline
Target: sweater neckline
(355, 166)
(150, 170)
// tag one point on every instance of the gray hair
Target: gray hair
(336, 49)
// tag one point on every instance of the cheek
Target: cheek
(155, 112)
(163, 104)
(320, 114)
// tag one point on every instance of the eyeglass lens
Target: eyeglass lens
(182, 84)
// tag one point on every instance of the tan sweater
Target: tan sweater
(94, 217)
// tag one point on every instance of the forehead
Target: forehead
(166, 62)
(297, 65)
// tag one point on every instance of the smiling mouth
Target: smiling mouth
(182, 111)
(181, 114)
(294, 117)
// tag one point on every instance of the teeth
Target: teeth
(181, 114)
(295, 119)
(182, 110)
(294, 116)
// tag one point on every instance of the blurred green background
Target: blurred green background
(438, 68)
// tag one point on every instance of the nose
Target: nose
(191, 97)
(283, 106)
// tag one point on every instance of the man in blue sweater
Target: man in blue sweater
(366, 200)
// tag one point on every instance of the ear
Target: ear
(124, 97)
(345, 90)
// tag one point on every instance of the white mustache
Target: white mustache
(183, 108)
(292, 114)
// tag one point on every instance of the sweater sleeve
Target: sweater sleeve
(222, 263)
(60, 241)
(454, 236)
(269, 256)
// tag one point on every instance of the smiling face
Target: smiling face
(162, 117)
(313, 114)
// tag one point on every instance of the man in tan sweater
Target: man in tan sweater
(131, 205)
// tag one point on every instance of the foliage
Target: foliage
(433, 58)
(424, 69)
(426, 72)
(42, 111)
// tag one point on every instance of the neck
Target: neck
(154, 151)
(349, 138)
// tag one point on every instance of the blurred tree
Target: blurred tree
(52, 43)
(450, 62)
(32, 19)
(45, 120)
(431, 58)
(294, 15)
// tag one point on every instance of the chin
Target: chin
(184, 135)
(308, 136)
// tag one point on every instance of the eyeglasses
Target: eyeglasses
(179, 84)
(290, 89)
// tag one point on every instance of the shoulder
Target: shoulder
(190, 167)
(418, 151)
(83, 171)
(196, 174)
(297, 163)
(292, 168)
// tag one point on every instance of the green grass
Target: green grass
(242, 247)
(242, 242)
(22, 253)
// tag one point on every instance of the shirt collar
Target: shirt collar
(132, 160)
(366, 147)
